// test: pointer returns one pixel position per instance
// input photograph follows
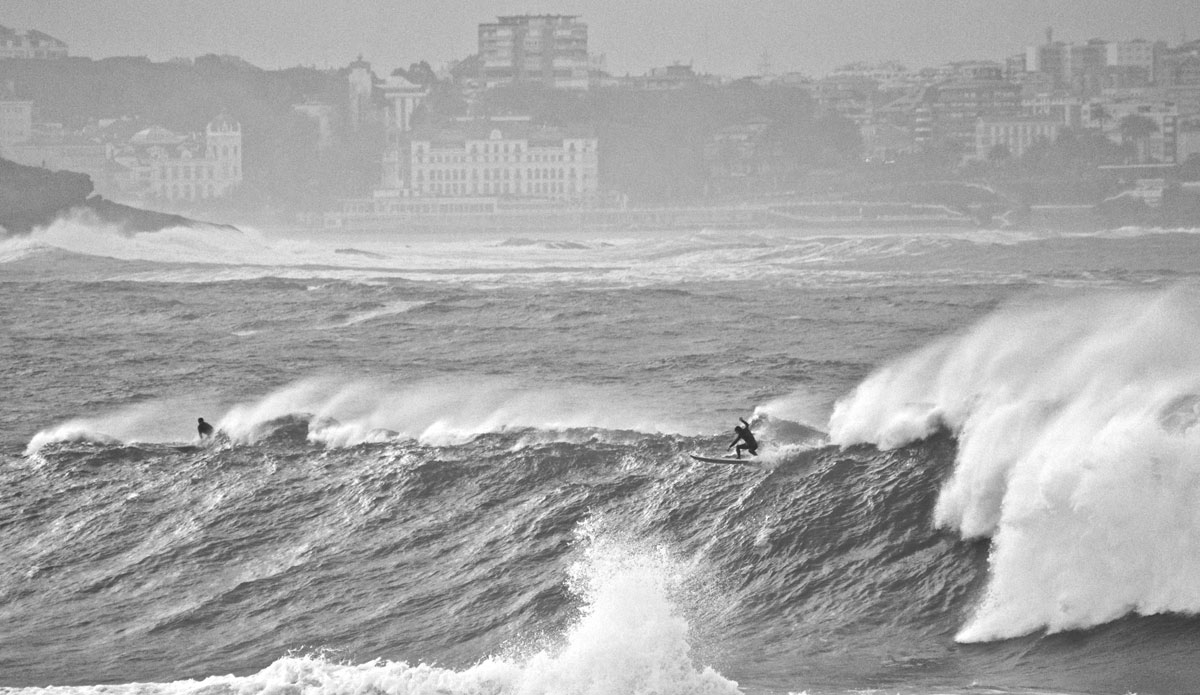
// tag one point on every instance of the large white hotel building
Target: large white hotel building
(505, 157)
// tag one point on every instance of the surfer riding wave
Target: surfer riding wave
(746, 437)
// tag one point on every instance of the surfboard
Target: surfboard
(726, 460)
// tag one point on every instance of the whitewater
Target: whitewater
(458, 464)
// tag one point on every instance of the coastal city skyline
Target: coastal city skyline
(366, 143)
(766, 35)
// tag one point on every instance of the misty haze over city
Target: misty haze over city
(1033, 107)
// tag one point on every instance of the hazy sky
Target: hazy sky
(729, 38)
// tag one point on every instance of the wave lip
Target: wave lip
(1075, 454)
(337, 412)
(348, 413)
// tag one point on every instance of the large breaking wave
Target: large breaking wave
(1077, 453)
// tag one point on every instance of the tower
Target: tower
(223, 147)
(361, 87)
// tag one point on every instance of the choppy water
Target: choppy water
(459, 465)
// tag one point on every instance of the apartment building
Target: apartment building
(1014, 134)
(1134, 54)
(547, 49)
(955, 106)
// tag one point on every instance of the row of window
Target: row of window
(497, 159)
(224, 151)
(496, 174)
(188, 192)
(198, 172)
(500, 188)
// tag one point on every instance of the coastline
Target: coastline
(32, 197)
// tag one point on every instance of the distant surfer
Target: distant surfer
(204, 429)
(746, 437)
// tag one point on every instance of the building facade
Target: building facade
(160, 164)
(1179, 66)
(1133, 54)
(513, 158)
(1187, 139)
(360, 93)
(16, 122)
(957, 105)
(402, 98)
(1058, 106)
(546, 49)
(30, 44)
(1015, 135)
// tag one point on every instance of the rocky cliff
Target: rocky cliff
(31, 197)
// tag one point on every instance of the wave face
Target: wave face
(601, 560)
(460, 465)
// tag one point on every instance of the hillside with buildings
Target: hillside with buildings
(533, 123)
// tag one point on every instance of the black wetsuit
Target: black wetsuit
(744, 435)
(204, 429)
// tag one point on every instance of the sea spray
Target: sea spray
(157, 420)
(1075, 455)
(346, 412)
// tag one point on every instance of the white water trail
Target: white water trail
(1077, 454)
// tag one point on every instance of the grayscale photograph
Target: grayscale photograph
(565, 347)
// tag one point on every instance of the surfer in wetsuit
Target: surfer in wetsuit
(204, 429)
(744, 435)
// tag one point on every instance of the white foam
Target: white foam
(347, 412)
(390, 309)
(19, 247)
(630, 637)
(1077, 454)
(214, 253)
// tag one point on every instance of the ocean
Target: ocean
(459, 465)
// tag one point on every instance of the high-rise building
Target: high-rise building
(546, 49)
(1085, 66)
(1077, 67)
(1138, 53)
(1050, 58)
